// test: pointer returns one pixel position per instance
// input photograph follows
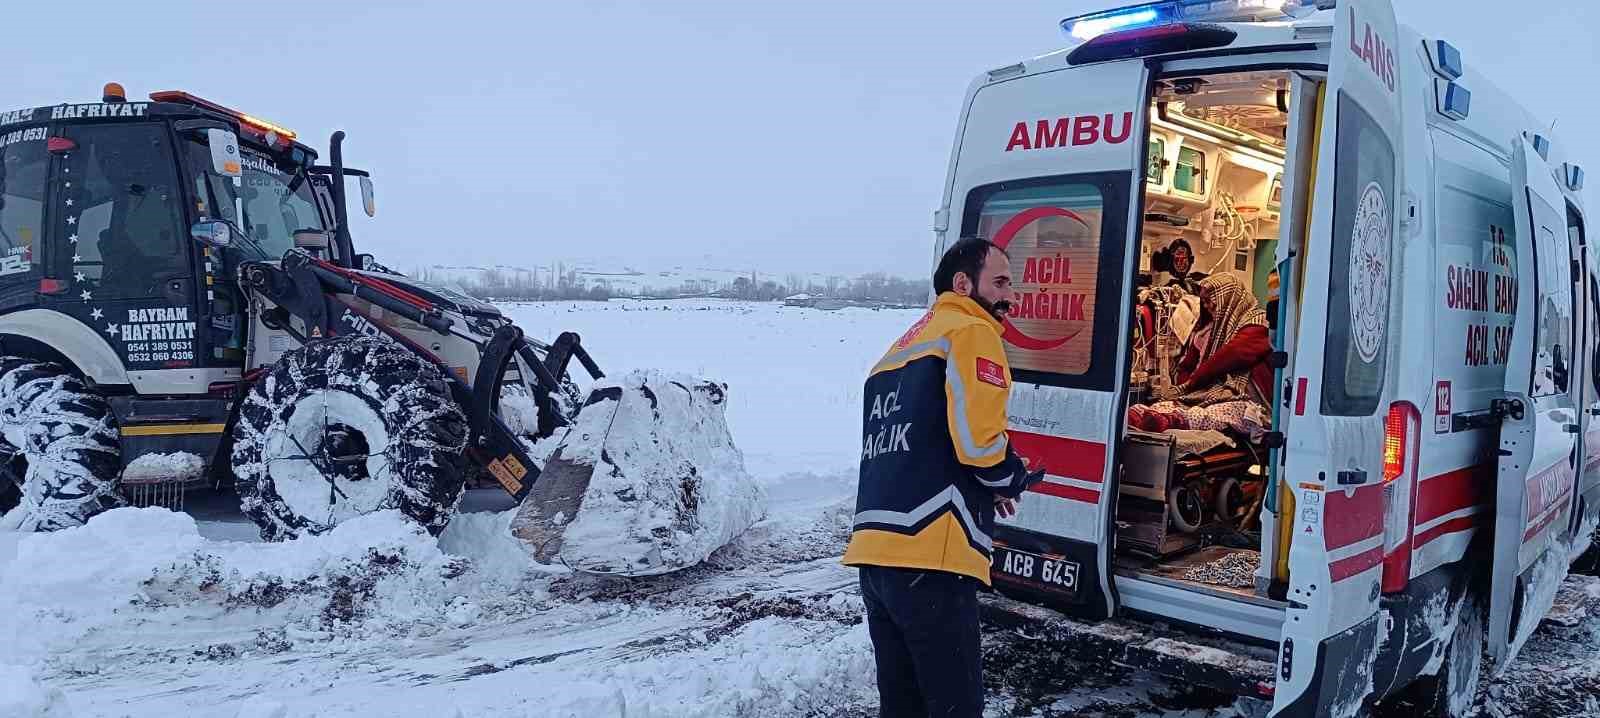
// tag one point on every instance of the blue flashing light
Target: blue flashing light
(1455, 101)
(1447, 60)
(1089, 27)
(1574, 178)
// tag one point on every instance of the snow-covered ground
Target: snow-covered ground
(149, 613)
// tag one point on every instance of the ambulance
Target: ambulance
(1410, 491)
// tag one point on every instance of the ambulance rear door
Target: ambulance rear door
(1540, 425)
(1341, 390)
(1049, 166)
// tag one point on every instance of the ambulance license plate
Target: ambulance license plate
(1054, 573)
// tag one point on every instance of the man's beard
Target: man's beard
(998, 310)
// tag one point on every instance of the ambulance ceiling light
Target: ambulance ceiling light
(1088, 27)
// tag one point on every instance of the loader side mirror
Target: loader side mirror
(367, 202)
(224, 152)
(212, 232)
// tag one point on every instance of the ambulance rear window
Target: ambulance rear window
(1360, 269)
(1060, 233)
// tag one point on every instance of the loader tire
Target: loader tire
(60, 456)
(344, 427)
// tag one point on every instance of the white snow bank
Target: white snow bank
(486, 539)
(258, 707)
(163, 467)
(772, 666)
(127, 566)
(667, 488)
(22, 696)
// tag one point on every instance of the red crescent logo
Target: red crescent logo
(1002, 239)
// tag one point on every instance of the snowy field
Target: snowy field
(150, 613)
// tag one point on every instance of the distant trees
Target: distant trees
(560, 283)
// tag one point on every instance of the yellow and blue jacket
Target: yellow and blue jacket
(934, 453)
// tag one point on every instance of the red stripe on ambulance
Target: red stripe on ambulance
(1546, 493)
(1364, 561)
(1451, 491)
(1353, 518)
(1076, 459)
(1465, 523)
(1073, 493)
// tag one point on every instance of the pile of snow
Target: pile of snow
(177, 466)
(373, 574)
(23, 696)
(485, 538)
(665, 488)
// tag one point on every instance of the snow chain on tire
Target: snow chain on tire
(413, 432)
(58, 446)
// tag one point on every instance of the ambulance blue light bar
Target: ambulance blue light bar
(1088, 27)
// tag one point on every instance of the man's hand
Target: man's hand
(1006, 508)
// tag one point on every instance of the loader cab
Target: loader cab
(1272, 270)
(100, 202)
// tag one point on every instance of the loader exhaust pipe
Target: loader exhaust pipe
(341, 237)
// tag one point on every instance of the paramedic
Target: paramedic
(935, 467)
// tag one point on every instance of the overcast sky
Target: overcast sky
(802, 136)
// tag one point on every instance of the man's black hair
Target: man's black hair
(965, 256)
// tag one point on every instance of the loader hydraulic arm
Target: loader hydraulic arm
(302, 284)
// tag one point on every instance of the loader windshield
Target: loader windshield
(269, 203)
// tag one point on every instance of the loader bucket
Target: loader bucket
(646, 481)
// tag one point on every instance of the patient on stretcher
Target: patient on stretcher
(1222, 378)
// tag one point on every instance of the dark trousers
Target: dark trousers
(924, 627)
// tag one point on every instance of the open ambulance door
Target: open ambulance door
(1050, 167)
(1339, 393)
(1540, 426)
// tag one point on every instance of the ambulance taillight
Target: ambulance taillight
(1401, 432)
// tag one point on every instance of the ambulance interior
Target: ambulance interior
(1194, 456)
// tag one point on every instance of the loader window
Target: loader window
(123, 229)
(24, 181)
(1361, 266)
(260, 202)
(272, 213)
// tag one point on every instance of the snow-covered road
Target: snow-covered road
(149, 613)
